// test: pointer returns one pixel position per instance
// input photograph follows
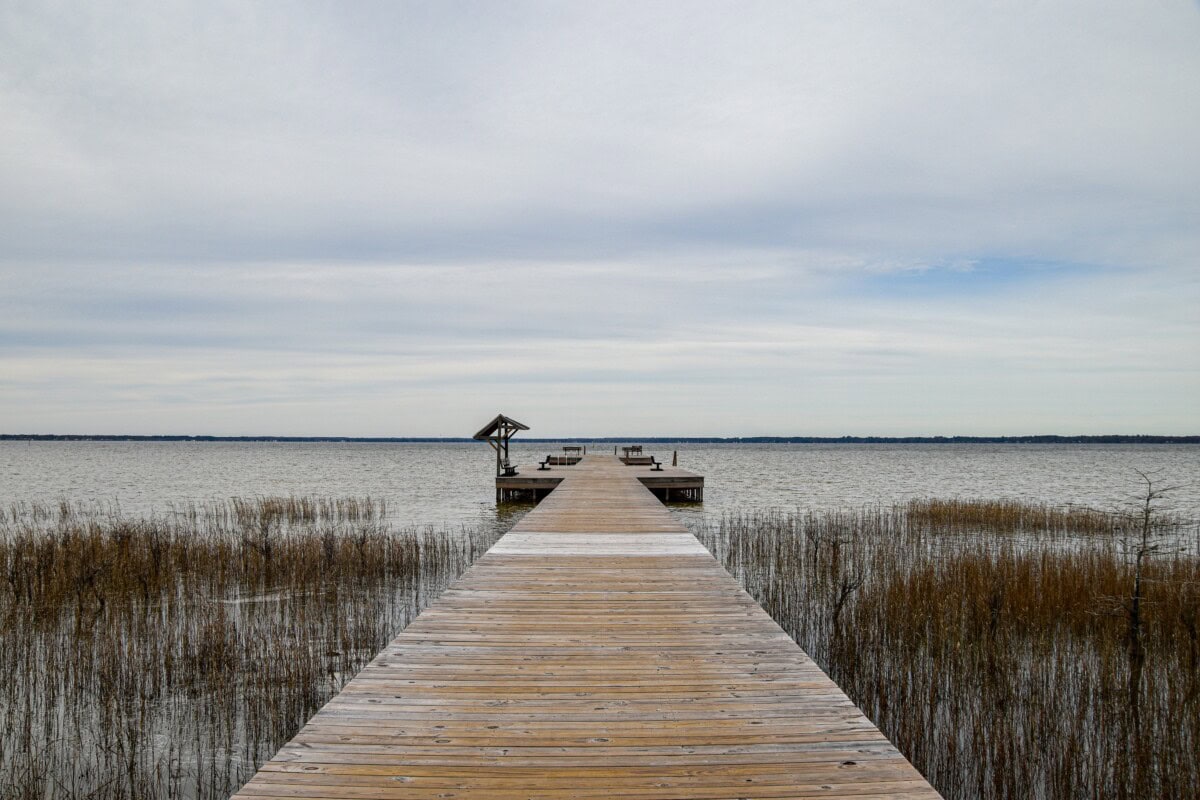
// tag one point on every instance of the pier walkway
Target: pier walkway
(596, 651)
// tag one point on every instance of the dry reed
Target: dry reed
(1010, 516)
(168, 657)
(992, 642)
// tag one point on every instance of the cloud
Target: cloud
(208, 211)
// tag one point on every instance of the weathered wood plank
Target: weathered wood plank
(597, 651)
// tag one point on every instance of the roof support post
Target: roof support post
(497, 434)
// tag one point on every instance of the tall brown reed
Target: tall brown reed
(1010, 516)
(990, 641)
(168, 657)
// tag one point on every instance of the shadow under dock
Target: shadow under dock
(669, 484)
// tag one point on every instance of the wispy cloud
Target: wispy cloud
(697, 218)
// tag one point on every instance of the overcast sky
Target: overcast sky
(600, 218)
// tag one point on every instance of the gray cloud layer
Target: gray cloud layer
(691, 218)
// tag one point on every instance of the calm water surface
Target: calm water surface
(451, 484)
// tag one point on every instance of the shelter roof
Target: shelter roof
(495, 425)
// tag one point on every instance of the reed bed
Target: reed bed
(170, 656)
(1011, 516)
(998, 646)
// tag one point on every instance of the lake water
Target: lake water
(451, 484)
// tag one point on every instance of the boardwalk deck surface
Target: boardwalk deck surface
(596, 651)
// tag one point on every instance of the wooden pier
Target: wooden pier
(669, 484)
(596, 651)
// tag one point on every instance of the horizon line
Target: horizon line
(1106, 438)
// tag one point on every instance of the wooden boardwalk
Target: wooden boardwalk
(596, 651)
(666, 483)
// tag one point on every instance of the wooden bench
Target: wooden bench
(509, 469)
(559, 461)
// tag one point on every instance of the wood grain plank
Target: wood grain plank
(596, 651)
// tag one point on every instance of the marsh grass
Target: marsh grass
(1010, 516)
(992, 641)
(169, 656)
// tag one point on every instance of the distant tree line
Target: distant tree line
(1034, 439)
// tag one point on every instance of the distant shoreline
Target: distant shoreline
(1035, 439)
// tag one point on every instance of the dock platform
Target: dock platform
(668, 484)
(596, 651)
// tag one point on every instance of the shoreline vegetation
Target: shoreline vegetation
(1032, 439)
(170, 656)
(1010, 650)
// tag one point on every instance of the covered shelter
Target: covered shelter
(497, 434)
